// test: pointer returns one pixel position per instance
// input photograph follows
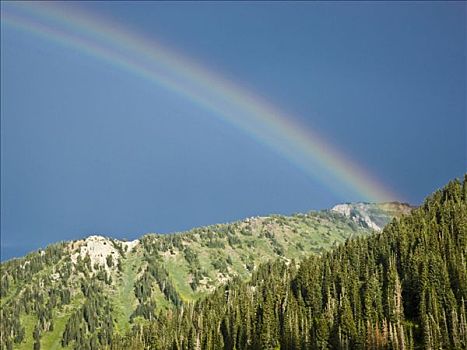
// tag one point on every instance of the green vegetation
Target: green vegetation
(81, 294)
(124, 299)
(405, 288)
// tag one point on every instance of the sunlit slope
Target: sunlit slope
(78, 294)
(402, 288)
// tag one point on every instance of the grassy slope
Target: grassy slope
(28, 322)
(297, 236)
(53, 340)
(49, 340)
(124, 299)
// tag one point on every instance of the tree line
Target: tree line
(405, 288)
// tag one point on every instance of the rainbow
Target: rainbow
(130, 52)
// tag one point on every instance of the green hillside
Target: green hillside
(83, 293)
(404, 288)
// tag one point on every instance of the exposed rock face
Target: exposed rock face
(371, 215)
(99, 248)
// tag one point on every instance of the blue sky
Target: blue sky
(90, 149)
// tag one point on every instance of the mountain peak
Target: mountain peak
(372, 215)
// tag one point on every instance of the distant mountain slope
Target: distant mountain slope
(373, 215)
(78, 294)
(403, 288)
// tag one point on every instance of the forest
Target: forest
(404, 288)
(309, 281)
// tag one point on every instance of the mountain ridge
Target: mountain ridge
(356, 216)
(404, 288)
(77, 281)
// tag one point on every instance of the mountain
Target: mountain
(371, 215)
(80, 294)
(402, 288)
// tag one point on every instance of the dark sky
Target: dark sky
(87, 148)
